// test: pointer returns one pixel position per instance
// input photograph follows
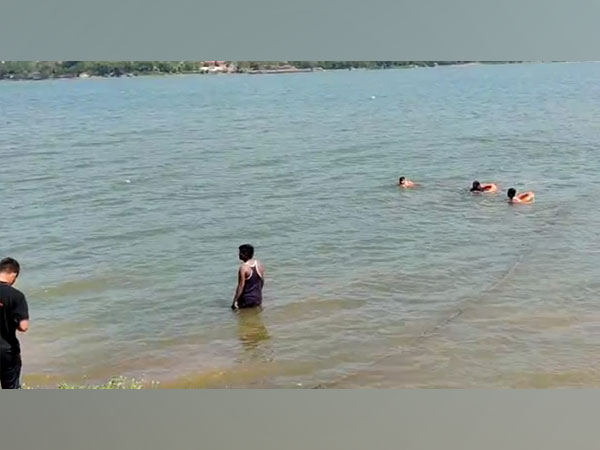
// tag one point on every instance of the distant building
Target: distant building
(215, 67)
(214, 63)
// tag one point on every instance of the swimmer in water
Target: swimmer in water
(403, 182)
(486, 187)
(523, 197)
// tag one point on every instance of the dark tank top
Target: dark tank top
(252, 292)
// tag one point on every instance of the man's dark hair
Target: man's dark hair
(401, 179)
(476, 186)
(246, 251)
(511, 193)
(10, 265)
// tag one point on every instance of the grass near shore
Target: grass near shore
(113, 383)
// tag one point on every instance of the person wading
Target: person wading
(251, 279)
(14, 316)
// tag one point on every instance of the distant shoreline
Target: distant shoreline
(51, 71)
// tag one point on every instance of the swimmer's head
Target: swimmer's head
(246, 252)
(511, 193)
(401, 180)
(476, 186)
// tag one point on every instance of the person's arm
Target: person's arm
(20, 312)
(240, 287)
(23, 326)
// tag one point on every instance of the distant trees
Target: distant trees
(59, 69)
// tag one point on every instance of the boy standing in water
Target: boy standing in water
(14, 316)
(251, 273)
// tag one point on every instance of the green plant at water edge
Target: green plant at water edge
(113, 383)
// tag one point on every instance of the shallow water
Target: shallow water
(125, 201)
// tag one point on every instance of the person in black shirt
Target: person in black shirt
(251, 279)
(14, 315)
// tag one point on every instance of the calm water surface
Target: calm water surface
(125, 200)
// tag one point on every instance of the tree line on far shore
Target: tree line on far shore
(33, 70)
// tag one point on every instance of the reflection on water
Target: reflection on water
(253, 335)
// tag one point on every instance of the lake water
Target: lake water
(125, 201)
